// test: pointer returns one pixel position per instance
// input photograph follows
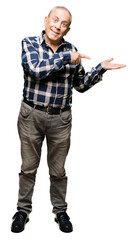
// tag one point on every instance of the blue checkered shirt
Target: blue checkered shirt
(49, 77)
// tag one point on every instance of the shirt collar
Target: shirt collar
(42, 39)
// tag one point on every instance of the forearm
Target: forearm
(39, 67)
(84, 81)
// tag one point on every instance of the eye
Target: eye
(64, 24)
(55, 19)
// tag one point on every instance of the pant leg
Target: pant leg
(58, 143)
(31, 143)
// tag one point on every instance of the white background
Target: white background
(101, 163)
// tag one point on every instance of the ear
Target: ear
(45, 20)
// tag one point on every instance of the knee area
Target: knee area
(58, 176)
(28, 172)
(29, 168)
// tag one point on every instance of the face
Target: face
(56, 26)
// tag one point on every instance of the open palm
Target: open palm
(108, 65)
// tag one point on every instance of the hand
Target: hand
(76, 57)
(107, 65)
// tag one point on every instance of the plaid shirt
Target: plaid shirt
(50, 77)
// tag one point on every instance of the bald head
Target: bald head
(64, 8)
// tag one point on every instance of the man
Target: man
(52, 67)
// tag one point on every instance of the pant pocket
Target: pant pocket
(66, 117)
(25, 110)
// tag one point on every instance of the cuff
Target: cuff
(66, 57)
(100, 69)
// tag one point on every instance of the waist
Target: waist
(48, 109)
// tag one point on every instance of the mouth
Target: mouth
(54, 32)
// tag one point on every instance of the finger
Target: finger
(110, 59)
(84, 56)
(118, 66)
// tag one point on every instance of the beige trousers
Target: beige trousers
(33, 126)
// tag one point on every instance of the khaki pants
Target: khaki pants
(33, 127)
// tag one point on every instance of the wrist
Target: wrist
(100, 68)
(66, 57)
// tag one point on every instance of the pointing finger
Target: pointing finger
(84, 56)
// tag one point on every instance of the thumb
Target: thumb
(110, 59)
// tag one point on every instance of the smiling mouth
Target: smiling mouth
(56, 33)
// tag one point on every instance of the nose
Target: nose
(58, 25)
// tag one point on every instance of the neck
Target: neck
(53, 44)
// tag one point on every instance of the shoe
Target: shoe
(63, 221)
(19, 220)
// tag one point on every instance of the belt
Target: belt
(49, 109)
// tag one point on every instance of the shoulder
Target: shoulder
(31, 41)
